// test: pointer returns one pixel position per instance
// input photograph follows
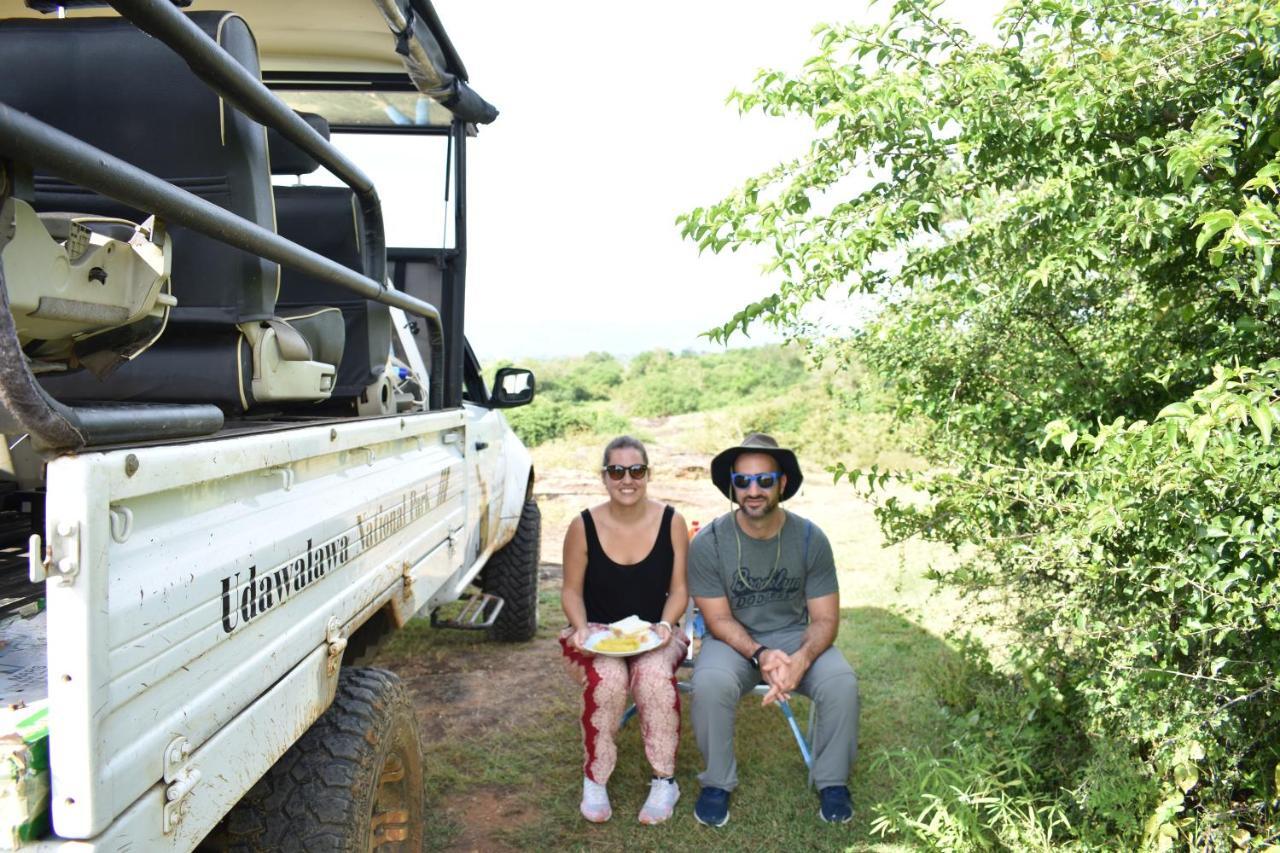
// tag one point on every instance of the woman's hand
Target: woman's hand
(664, 632)
(579, 640)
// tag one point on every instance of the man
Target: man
(765, 581)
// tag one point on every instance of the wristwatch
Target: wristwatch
(755, 656)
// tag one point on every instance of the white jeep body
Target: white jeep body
(200, 588)
(214, 585)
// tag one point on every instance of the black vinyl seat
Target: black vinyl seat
(104, 81)
(328, 221)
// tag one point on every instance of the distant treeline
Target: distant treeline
(768, 388)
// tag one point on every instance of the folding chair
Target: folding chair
(694, 629)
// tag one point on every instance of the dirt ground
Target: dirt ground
(460, 691)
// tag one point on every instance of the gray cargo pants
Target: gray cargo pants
(721, 677)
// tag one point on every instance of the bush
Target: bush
(605, 422)
(1005, 779)
(1073, 226)
(581, 394)
(1142, 563)
(659, 384)
(667, 393)
(544, 420)
(580, 380)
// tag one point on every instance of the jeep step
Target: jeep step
(477, 613)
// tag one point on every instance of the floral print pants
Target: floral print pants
(651, 679)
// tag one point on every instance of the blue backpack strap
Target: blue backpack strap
(808, 534)
(715, 538)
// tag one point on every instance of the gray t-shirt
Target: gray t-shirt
(763, 598)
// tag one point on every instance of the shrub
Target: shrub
(659, 384)
(1142, 564)
(544, 420)
(578, 380)
(1073, 226)
(1003, 781)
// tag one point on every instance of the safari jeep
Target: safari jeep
(244, 437)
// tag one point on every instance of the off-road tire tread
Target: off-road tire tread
(512, 575)
(314, 798)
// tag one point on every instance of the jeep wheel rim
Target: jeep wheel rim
(389, 827)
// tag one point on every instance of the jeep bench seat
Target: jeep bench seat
(328, 221)
(107, 83)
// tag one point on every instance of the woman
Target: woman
(626, 557)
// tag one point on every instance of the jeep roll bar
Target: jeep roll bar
(244, 91)
(34, 142)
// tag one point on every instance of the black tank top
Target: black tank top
(612, 591)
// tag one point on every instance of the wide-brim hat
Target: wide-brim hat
(756, 442)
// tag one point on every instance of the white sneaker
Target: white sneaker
(595, 801)
(663, 794)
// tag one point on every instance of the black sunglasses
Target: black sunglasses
(765, 480)
(616, 472)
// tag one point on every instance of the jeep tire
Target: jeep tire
(352, 782)
(512, 575)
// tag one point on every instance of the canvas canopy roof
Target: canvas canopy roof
(347, 49)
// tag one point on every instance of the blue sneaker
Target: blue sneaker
(712, 808)
(837, 807)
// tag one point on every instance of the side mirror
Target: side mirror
(513, 386)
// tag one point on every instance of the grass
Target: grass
(890, 632)
(538, 764)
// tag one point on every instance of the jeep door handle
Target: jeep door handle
(481, 445)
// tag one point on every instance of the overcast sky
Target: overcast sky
(613, 122)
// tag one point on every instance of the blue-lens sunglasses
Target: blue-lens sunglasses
(764, 479)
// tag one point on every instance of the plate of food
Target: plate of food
(624, 638)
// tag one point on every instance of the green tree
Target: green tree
(659, 383)
(591, 377)
(1072, 232)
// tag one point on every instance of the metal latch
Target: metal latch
(406, 572)
(121, 519)
(337, 643)
(287, 477)
(60, 558)
(180, 779)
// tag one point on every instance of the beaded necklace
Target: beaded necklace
(743, 578)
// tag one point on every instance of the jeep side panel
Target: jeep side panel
(200, 575)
